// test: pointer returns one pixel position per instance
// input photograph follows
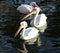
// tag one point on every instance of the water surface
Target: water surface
(9, 23)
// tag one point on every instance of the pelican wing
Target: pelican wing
(42, 20)
(30, 33)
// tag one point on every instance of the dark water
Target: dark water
(10, 19)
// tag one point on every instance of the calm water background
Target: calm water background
(10, 19)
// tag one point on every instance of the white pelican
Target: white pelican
(39, 21)
(27, 33)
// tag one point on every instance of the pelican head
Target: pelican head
(23, 24)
